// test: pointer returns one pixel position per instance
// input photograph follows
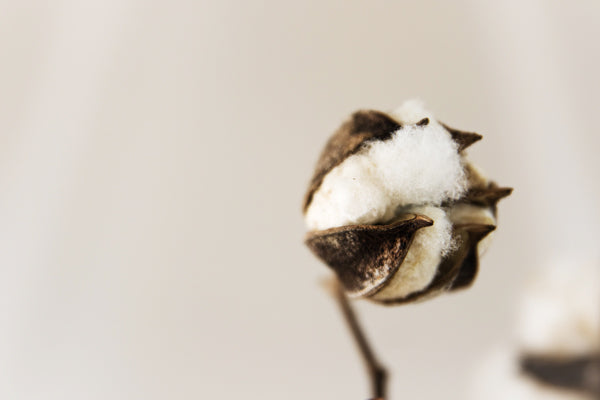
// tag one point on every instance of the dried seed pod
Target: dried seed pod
(396, 210)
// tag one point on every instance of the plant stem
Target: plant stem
(377, 373)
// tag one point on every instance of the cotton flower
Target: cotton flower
(396, 209)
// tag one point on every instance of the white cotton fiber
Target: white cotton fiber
(418, 165)
(429, 246)
(350, 194)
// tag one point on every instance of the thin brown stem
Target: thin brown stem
(377, 373)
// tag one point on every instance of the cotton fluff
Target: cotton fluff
(418, 165)
(425, 253)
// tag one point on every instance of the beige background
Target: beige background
(153, 158)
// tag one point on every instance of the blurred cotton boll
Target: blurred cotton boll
(560, 310)
(558, 319)
(499, 377)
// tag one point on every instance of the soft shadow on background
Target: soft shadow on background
(153, 158)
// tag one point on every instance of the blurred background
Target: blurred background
(153, 159)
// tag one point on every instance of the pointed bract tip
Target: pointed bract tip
(423, 122)
(503, 192)
(477, 231)
(465, 139)
(422, 221)
(495, 193)
(462, 138)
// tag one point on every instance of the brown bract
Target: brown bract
(364, 257)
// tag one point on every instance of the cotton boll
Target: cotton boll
(423, 258)
(559, 319)
(379, 168)
(560, 313)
